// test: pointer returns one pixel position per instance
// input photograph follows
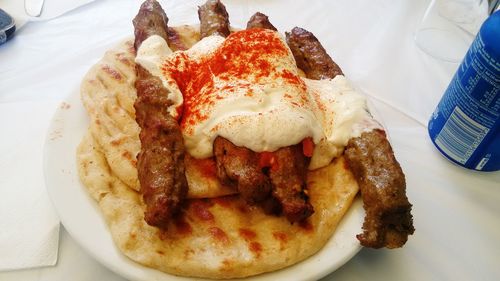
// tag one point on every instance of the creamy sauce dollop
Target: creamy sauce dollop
(247, 89)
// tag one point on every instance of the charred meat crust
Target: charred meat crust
(239, 167)
(388, 220)
(288, 176)
(278, 189)
(160, 162)
(259, 20)
(150, 20)
(310, 55)
(213, 19)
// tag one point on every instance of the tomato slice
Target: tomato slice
(308, 147)
(266, 159)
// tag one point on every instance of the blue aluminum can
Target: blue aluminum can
(465, 127)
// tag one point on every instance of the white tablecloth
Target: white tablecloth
(455, 210)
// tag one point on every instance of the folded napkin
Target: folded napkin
(50, 10)
(29, 226)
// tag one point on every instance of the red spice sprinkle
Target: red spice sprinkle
(179, 111)
(318, 101)
(244, 55)
(293, 79)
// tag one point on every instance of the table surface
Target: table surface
(455, 210)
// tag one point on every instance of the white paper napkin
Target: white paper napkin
(29, 227)
(50, 10)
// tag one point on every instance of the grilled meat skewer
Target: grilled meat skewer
(388, 220)
(160, 163)
(259, 20)
(310, 55)
(213, 19)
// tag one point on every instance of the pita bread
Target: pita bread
(215, 237)
(218, 237)
(108, 94)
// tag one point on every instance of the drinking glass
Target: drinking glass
(448, 27)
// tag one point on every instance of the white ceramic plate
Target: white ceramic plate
(82, 218)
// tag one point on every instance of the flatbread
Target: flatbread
(108, 94)
(217, 237)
